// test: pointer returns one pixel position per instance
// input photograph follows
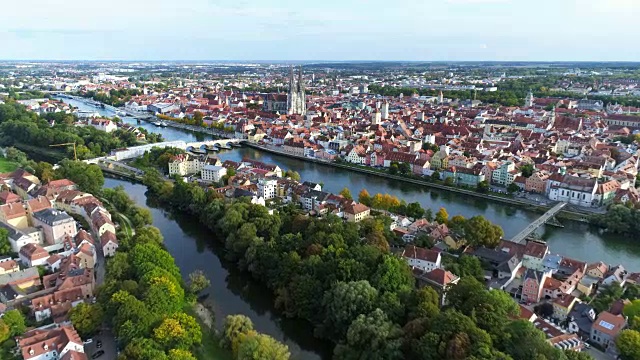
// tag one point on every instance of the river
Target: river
(232, 292)
(576, 240)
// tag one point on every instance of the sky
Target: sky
(412, 30)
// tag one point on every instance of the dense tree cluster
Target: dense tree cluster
(246, 344)
(115, 97)
(619, 219)
(342, 279)
(18, 126)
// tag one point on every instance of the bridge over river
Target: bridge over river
(522, 235)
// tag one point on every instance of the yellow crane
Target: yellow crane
(75, 155)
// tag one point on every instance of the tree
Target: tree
(5, 331)
(143, 349)
(483, 187)
(88, 177)
(344, 302)
(513, 188)
(527, 170)
(292, 174)
(449, 181)
(234, 326)
(148, 235)
(371, 336)
(481, 232)
(628, 344)
(16, 322)
(414, 210)
(364, 197)
(181, 354)
(86, 318)
(255, 346)
(442, 216)
(544, 309)
(574, 355)
(198, 281)
(197, 118)
(45, 172)
(435, 176)
(393, 275)
(346, 193)
(467, 265)
(522, 340)
(178, 331)
(5, 245)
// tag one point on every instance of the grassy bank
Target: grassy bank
(6, 165)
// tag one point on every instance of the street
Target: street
(108, 346)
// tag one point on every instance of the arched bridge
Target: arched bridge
(522, 235)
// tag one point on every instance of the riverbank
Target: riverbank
(568, 214)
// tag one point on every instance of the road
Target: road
(108, 346)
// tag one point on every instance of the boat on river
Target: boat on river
(163, 124)
(157, 123)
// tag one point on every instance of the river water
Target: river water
(232, 292)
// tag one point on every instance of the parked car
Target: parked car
(99, 344)
(88, 341)
(97, 354)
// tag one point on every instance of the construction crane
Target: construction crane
(75, 155)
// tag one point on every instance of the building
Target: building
(105, 125)
(534, 254)
(533, 285)
(184, 164)
(15, 215)
(62, 343)
(296, 102)
(562, 306)
(55, 224)
(356, 212)
(7, 265)
(605, 330)
(573, 190)
(102, 223)
(108, 243)
(504, 174)
(267, 188)
(213, 173)
(33, 255)
(421, 258)
(37, 204)
(439, 279)
(19, 238)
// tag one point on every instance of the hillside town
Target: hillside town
(56, 267)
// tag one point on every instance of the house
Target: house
(356, 212)
(534, 253)
(563, 305)
(22, 279)
(537, 182)
(573, 190)
(55, 343)
(532, 285)
(87, 255)
(33, 255)
(55, 224)
(551, 262)
(101, 223)
(267, 188)
(7, 265)
(213, 173)
(615, 275)
(56, 304)
(105, 125)
(439, 279)
(36, 204)
(597, 270)
(108, 243)
(19, 238)
(581, 319)
(606, 328)
(15, 215)
(7, 197)
(421, 258)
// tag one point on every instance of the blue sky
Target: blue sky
(421, 30)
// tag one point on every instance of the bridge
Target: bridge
(522, 235)
(220, 143)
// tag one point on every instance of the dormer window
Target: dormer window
(46, 347)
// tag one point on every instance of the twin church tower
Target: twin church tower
(296, 103)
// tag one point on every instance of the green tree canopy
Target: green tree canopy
(372, 337)
(86, 318)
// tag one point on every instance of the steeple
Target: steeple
(296, 103)
(528, 101)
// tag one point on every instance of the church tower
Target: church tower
(296, 103)
(528, 101)
(385, 110)
(440, 98)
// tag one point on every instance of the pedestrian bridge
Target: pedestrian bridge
(522, 235)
